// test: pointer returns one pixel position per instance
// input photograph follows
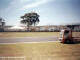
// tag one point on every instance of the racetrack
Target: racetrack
(28, 39)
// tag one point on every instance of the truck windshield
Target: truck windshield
(66, 32)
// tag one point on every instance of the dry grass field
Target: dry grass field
(28, 34)
(76, 34)
(40, 51)
(33, 34)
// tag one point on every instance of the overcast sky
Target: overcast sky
(52, 12)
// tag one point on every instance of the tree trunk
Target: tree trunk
(34, 27)
(34, 24)
(28, 29)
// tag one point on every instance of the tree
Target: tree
(2, 24)
(30, 19)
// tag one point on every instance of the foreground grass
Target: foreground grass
(28, 34)
(42, 51)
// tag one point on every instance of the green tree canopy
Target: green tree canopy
(30, 19)
(2, 21)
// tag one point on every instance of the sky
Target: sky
(52, 12)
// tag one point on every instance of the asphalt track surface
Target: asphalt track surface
(28, 39)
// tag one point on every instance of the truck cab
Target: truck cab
(65, 35)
